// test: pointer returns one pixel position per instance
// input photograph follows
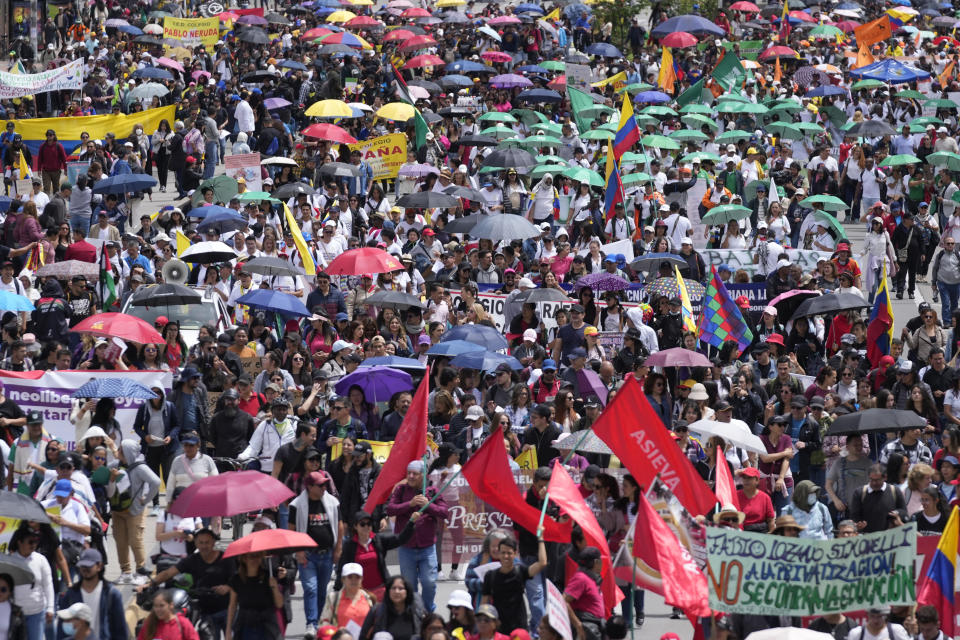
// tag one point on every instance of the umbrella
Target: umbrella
(168, 62)
(543, 294)
(667, 286)
(69, 268)
(652, 261)
(829, 304)
(900, 159)
(830, 222)
(276, 103)
(889, 70)
(276, 301)
(453, 348)
(292, 189)
(788, 633)
(377, 383)
(252, 20)
(17, 567)
(466, 193)
(826, 202)
(366, 260)
(786, 303)
(119, 325)
(510, 158)
(21, 507)
(499, 227)
(224, 188)
(603, 282)
(876, 420)
(230, 494)
(164, 295)
(394, 362)
(125, 183)
(275, 18)
(690, 23)
(339, 170)
(872, 129)
(825, 91)
(589, 384)
(209, 252)
(114, 388)
(539, 95)
(485, 361)
(268, 541)
(394, 300)
(13, 302)
(678, 357)
(254, 35)
(154, 73)
(679, 39)
(427, 200)
(588, 443)
(329, 109)
(222, 222)
(946, 159)
(724, 213)
(270, 266)
(604, 50)
(735, 432)
(509, 81)
(480, 334)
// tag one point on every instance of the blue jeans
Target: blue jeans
(211, 156)
(315, 576)
(35, 624)
(419, 566)
(283, 515)
(536, 595)
(81, 222)
(780, 500)
(949, 297)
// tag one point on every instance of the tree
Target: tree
(619, 13)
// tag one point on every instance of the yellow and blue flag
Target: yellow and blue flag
(937, 587)
(686, 309)
(880, 325)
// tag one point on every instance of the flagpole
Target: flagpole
(546, 496)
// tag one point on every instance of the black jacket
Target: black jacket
(230, 434)
(382, 543)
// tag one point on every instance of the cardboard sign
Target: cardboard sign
(251, 366)
(384, 154)
(246, 166)
(192, 32)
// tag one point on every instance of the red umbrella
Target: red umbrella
(363, 21)
(743, 5)
(426, 60)
(119, 325)
(365, 260)
(679, 39)
(803, 16)
(496, 56)
(677, 357)
(417, 42)
(270, 540)
(398, 34)
(778, 52)
(948, 39)
(230, 494)
(313, 34)
(415, 12)
(558, 84)
(329, 132)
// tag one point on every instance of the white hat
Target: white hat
(783, 263)
(474, 413)
(770, 310)
(942, 130)
(351, 569)
(265, 521)
(94, 432)
(698, 392)
(545, 226)
(460, 598)
(530, 334)
(340, 345)
(161, 237)
(664, 207)
(526, 283)
(761, 225)
(687, 241)
(76, 611)
(731, 147)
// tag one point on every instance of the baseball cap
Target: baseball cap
(489, 611)
(351, 569)
(530, 335)
(63, 489)
(78, 610)
(89, 558)
(474, 413)
(549, 365)
(751, 472)
(340, 345)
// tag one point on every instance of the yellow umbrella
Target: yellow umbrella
(750, 64)
(400, 111)
(362, 3)
(443, 4)
(341, 16)
(827, 68)
(329, 109)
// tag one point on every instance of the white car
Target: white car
(211, 310)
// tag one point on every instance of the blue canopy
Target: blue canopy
(528, 7)
(691, 24)
(130, 30)
(889, 71)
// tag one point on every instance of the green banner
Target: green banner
(729, 72)
(761, 574)
(748, 49)
(579, 101)
(696, 94)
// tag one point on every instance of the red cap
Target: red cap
(316, 477)
(519, 634)
(775, 338)
(753, 472)
(161, 320)
(326, 631)
(843, 246)
(743, 302)
(429, 232)
(191, 159)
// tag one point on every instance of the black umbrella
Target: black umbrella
(275, 18)
(270, 266)
(652, 261)
(163, 295)
(829, 304)
(539, 95)
(335, 48)
(510, 157)
(464, 224)
(427, 200)
(477, 141)
(876, 420)
(786, 303)
(153, 40)
(871, 129)
(577, 58)
(258, 76)
(804, 76)
(394, 300)
(431, 87)
(21, 507)
(254, 35)
(340, 170)
(463, 192)
(456, 112)
(543, 294)
(292, 189)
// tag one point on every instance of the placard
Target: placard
(77, 169)
(557, 611)
(246, 166)
(252, 366)
(760, 574)
(69, 77)
(384, 154)
(192, 32)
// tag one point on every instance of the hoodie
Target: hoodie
(143, 482)
(52, 315)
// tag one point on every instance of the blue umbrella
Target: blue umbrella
(293, 64)
(654, 97)
(222, 222)
(603, 49)
(539, 95)
(125, 183)
(691, 24)
(527, 7)
(276, 301)
(933, 13)
(572, 11)
(13, 302)
(889, 71)
(208, 210)
(485, 361)
(114, 388)
(130, 29)
(395, 362)
(456, 80)
(824, 91)
(453, 348)
(5, 202)
(154, 73)
(532, 68)
(378, 383)
(468, 66)
(481, 334)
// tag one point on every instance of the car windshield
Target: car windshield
(190, 316)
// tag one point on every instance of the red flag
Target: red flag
(567, 496)
(684, 585)
(489, 476)
(409, 444)
(633, 431)
(725, 489)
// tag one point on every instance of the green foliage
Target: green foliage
(618, 13)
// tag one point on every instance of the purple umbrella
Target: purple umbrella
(589, 384)
(418, 170)
(116, 22)
(509, 81)
(378, 383)
(276, 103)
(603, 282)
(252, 20)
(678, 357)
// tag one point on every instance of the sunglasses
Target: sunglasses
(100, 458)
(364, 523)
(730, 520)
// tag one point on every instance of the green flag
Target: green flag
(108, 288)
(421, 128)
(728, 72)
(695, 94)
(579, 101)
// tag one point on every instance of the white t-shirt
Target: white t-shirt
(830, 163)
(862, 633)
(92, 600)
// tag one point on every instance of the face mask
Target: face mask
(674, 313)
(812, 499)
(68, 629)
(138, 131)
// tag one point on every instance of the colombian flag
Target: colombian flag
(936, 588)
(880, 325)
(686, 309)
(628, 134)
(614, 190)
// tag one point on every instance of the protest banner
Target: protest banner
(49, 392)
(381, 450)
(384, 154)
(493, 304)
(246, 166)
(69, 77)
(759, 574)
(192, 32)
(557, 611)
(743, 258)
(579, 76)
(624, 247)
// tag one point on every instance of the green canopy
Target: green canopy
(500, 133)
(554, 65)
(925, 120)
(597, 134)
(530, 117)
(827, 203)
(539, 140)
(696, 108)
(742, 107)
(831, 223)
(556, 169)
(909, 94)
(658, 110)
(825, 31)
(255, 196)
(635, 178)
(941, 103)
(553, 128)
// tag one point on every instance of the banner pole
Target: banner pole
(441, 490)
(546, 496)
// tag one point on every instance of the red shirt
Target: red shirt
(178, 628)
(252, 406)
(757, 509)
(366, 557)
(82, 251)
(586, 594)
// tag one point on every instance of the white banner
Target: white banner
(50, 393)
(743, 258)
(67, 77)
(492, 303)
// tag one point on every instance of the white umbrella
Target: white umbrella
(591, 443)
(360, 106)
(280, 160)
(154, 29)
(735, 432)
(788, 633)
(208, 252)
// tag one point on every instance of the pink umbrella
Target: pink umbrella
(415, 12)
(199, 73)
(168, 62)
(228, 15)
(399, 4)
(417, 42)
(496, 56)
(229, 494)
(677, 357)
(363, 21)
(418, 93)
(590, 384)
(803, 16)
(504, 20)
(679, 40)
(426, 60)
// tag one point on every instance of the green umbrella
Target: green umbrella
(733, 135)
(724, 213)
(660, 142)
(248, 196)
(786, 106)
(901, 159)
(597, 134)
(825, 31)
(540, 140)
(500, 133)
(610, 126)
(941, 103)
(909, 94)
(867, 84)
(827, 203)
(697, 120)
(551, 159)
(636, 87)
(732, 97)
(588, 176)
(632, 157)
(554, 65)
(831, 223)
(515, 142)
(224, 188)
(696, 108)
(548, 127)
(946, 159)
(636, 178)
(658, 110)
(956, 196)
(497, 116)
(701, 156)
(785, 130)
(742, 107)
(643, 120)
(597, 110)
(530, 117)
(750, 190)
(809, 127)
(686, 135)
(925, 120)
(556, 169)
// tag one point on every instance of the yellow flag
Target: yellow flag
(527, 460)
(553, 16)
(619, 77)
(667, 76)
(308, 265)
(689, 324)
(183, 243)
(23, 167)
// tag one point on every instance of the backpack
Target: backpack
(273, 147)
(122, 500)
